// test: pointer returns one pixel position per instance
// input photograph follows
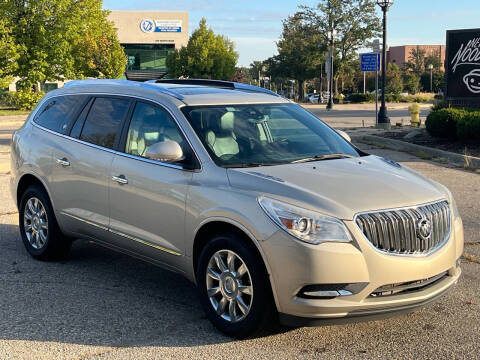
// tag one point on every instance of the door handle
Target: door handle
(63, 162)
(120, 179)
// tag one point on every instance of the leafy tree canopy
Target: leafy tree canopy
(62, 39)
(8, 54)
(354, 21)
(416, 61)
(206, 56)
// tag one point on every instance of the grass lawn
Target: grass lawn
(4, 112)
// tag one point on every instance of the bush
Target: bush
(443, 122)
(396, 98)
(454, 123)
(439, 105)
(360, 98)
(468, 127)
(21, 99)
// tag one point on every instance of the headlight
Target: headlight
(305, 225)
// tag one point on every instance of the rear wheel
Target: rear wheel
(234, 287)
(39, 230)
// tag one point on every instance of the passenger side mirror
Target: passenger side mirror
(344, 135)
(165, 151)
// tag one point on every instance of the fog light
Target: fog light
(330, 291)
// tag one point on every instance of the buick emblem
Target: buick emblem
(424, 228)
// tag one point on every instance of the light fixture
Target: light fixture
(385, 4)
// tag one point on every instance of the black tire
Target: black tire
(262, 309)
(55, 246)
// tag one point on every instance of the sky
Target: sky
(255, 26)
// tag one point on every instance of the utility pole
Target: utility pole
(331, 36)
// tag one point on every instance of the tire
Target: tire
(251, 313)
(39, 229)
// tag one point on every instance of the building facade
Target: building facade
(147, 37)
(401, 54)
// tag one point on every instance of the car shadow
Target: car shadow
(98, 297)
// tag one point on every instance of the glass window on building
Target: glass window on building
(147, 56)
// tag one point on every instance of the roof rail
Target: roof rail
(215, 83)
(146, 85)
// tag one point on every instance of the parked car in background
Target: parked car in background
(267, 209)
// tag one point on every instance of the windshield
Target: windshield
(264, 134)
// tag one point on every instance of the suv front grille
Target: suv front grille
(407, 231)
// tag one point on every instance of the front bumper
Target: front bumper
(294, 264)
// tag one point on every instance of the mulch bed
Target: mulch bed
(469, 147)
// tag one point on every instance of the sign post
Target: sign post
(371, 62)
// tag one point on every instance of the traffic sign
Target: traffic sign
(370, 62)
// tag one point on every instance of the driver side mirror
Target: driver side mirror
(165, 151)
(344, 135)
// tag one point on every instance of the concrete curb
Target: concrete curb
(424, 152)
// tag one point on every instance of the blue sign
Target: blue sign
(368, 62)
(148, 25)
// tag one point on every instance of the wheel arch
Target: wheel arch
(27, 180)
(214, 226)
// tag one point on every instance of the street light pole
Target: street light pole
(430, 67)
(383, 120)
(331, 35)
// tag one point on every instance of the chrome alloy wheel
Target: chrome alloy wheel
(35, 223)
(229, 285)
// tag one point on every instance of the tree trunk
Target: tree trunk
(301, 90)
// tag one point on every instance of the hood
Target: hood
(340, 187)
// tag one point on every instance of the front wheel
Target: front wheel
(234, 287)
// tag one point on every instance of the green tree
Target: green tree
(298, 51)
(434, 59)
(206, 56)
(416, 61)
(58, 39)
(355, 23)
(438, 79)
(97, 52)
(8, 55)
(394, 79)
(256, 69)
(411, 82)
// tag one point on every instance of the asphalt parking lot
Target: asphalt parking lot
(105, 305)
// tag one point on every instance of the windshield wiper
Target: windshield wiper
(323, 157)
(249, 164)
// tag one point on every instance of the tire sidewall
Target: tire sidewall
(262, 299)
(39, 193)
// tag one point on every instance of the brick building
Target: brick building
(401, 54)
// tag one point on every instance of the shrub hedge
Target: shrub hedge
(468, 127)
(21, 99)
(396, 98)
(454, 123)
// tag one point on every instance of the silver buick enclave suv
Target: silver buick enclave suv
(268, 210)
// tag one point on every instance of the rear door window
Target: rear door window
(104, 121)
(58, 113)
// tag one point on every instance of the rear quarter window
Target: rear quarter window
(104, 121)
(58, 113)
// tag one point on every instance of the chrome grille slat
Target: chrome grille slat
(395, 230)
